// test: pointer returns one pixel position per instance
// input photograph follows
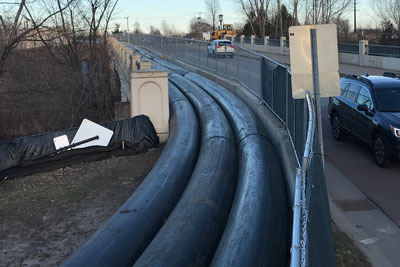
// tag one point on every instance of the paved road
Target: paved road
(355, 159)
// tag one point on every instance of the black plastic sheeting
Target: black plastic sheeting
(258, 229)
(32, 150)
(121, 240)
(320, 239)
(192, 232)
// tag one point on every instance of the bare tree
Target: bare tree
(326, 11)
(212, 9)
(279, 20)
(66, 65)
(194, 28)
(136, 28)
(256, 12)
(13, 30)
(388, 12)
(169, 30)
(78, 35)
(295, 15)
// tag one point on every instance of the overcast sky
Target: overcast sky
(179, 13)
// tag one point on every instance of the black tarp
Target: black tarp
(137, 133)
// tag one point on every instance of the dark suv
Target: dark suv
(369, 108)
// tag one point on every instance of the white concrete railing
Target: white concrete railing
(360, 59)
(145, 88)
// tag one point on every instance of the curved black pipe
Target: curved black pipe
(121, 240)
(258, 230)
(191, 234)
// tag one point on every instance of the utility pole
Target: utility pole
(313, 12)
(355, 16)
(127, 24)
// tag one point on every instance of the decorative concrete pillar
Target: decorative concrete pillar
(241, 39)
(252, 41)
(120, 54)
(266, 43)
(145, 65)
(135, 61)
(149, 96)
(128, 62)
(282, 43)
(362, 51)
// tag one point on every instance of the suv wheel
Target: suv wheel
(338, 132)
(380, 152)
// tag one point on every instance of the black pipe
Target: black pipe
(121, 240)
(258, 229)
(192, 232)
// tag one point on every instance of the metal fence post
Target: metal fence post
(315, 71)
(296, 230)
(226, 63)
(237, 63)
(248, 68)
(184, 45)
(282, 43)
(287, 100)
(199, 51)
(208, 54)
(266, 43)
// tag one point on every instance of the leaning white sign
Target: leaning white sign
(89, 129)
(301, 63)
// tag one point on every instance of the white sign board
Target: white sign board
(89, 129)
(301, 64)
(61, 141)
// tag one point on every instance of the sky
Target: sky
(179, 13)
(175, 12)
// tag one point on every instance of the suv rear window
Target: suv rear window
(225, 43)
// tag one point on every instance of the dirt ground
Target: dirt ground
(44, 217)
(347, 254)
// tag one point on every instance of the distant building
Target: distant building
(54, 35)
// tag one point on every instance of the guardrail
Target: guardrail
(270, 81)
(383, 50)
(350, 48)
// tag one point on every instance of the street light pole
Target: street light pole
(198, 26)
(221, 18)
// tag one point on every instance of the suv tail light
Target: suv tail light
(231, 46)
(218, 46)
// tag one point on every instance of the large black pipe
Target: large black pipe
(121, 240)
(258, 230)
(191, 234)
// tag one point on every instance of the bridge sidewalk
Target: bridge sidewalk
(372, 231)
(343, 68)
